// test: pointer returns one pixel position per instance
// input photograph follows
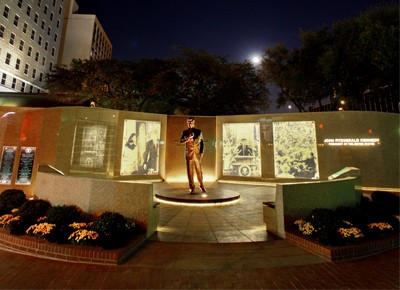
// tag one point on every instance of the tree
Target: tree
(282, 68)
(209, 85)
(106, 82)
(353, 56)
(195, 82)
(364, 54)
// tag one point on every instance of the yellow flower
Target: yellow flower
(78, 225)
(381, 226)
(5, 219)
(41, 219)
(306, 228)
(83, 235)
(350, 232)
(40, 229)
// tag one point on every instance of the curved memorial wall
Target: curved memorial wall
(110, 144)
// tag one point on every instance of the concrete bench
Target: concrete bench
(95, 196)
(296, 200)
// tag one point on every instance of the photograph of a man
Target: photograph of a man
(193, 140)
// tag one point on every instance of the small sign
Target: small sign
(353, 142)
(7, 164)
(26, 160)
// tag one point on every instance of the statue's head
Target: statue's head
(190, 122)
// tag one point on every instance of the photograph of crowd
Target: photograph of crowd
(241, 149)
(295, 150)
(140, 150)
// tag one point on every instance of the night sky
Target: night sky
(237, 29)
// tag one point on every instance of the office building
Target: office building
(35, 37)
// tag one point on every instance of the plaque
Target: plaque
(7, 164)
(26, 160)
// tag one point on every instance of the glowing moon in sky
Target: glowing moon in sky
(256, 60)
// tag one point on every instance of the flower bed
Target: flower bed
(348, 232)
(347, 252)
(65, 232)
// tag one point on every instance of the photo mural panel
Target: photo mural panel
(89, 145)
(241, 149)
(295, 150)
(140, 148)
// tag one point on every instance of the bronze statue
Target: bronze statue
(193, 138)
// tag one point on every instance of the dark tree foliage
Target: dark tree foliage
(352, 57)
(209, 85)
(195, 82)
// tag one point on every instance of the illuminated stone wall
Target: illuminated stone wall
(372, 143)
(92, 142)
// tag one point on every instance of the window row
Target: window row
(17, 66)
(17, 84)
(38, 2)
(22, 44)
(43, 26)
(45, 8)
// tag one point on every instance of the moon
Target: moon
(256, 60)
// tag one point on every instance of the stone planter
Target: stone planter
(342, 253)
(71, 253)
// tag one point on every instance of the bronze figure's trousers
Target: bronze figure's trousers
(191, 165)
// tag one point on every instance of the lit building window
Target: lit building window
(3, 79)
(8, 58)
(16, 20)
(6, 11)
(12, 38)
(17, 64)
(21, 45)
(14, 83)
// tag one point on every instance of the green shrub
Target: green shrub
(11, 199)
(114, 229)
(347, 225)
(62, 217)
(325, 221)
(389, 202)
(34, 208)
